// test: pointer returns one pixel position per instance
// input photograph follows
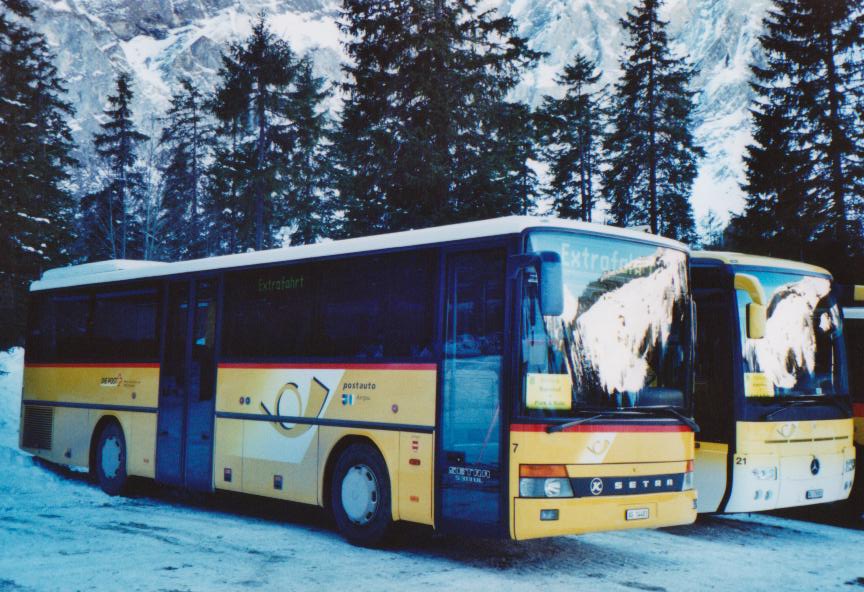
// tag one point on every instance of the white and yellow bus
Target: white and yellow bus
(771, 393)
(520, 377)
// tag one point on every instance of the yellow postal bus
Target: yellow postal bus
(518, 377)
(771, 391)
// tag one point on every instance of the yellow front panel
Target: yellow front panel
(317, 406)
(583, 515)
(798, 437)
(790, 449)
(597, 453)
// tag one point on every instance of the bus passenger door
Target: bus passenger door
(714, 395)
(184, 444)
(469, 454)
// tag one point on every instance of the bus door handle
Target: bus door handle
(205, 436)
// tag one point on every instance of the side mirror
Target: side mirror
(551, 284)
(858, 293)
(757, 313)
(547, 264)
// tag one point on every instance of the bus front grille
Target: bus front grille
(38, 427)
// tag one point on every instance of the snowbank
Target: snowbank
(12, 363)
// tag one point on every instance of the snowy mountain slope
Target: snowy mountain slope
(58, 532)
(159, 40)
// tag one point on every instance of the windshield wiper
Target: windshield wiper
(560, 427)
(674, 413)
(800, 402)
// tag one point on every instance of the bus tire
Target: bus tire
(110, 459)
(360, 495)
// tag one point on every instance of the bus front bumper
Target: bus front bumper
(545, 517)
(796, 483)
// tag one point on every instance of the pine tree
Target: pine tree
(184, 139)
(226, 178)
(571, 132)
(804, 169)
(427, 134)
(309, 171)
(35, 160)
(254, 107)
(110, 214)
(652, 155)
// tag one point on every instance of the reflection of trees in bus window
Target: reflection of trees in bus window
(799, 352)
(623, 337)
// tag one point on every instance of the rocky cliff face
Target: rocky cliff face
(159, 40)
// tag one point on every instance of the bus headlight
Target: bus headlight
(551, 487)
(849, 466)
(765, 473)
(544, 481)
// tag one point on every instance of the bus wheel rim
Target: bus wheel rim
(111, 457)
(360, 494)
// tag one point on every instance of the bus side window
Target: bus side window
(124, 325)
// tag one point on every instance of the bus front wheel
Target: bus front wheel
(360, 495)
(111, 459)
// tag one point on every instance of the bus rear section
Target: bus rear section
(602, 435)
(772, 397)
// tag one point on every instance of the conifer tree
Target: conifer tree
(804, 169)
(226, 176)
(110, 214)
(264, 129)
(184, 139)
(651, 153)
(427, 135)
(571, 132)
(309, 173)
(35, 160)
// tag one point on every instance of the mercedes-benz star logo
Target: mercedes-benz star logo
(596, 486)
(814, 466)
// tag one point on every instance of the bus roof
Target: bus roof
(730, 258)
(122, 270)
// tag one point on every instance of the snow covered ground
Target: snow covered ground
(58, 532)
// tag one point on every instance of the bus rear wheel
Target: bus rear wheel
(360, 495)
(111, 459)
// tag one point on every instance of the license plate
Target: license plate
(814, 494)
(637, 514)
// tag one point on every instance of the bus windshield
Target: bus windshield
(624, 337)
(800, 354)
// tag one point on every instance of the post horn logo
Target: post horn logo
(289, 409)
